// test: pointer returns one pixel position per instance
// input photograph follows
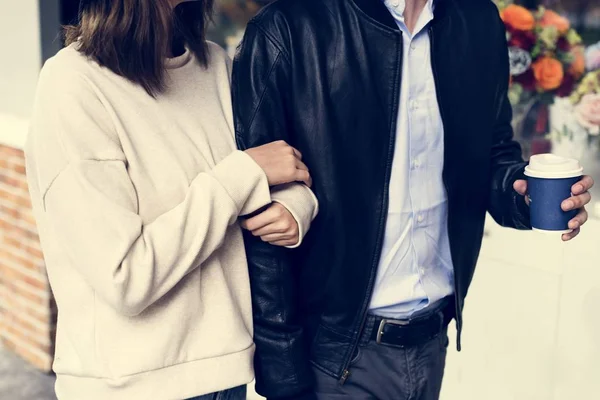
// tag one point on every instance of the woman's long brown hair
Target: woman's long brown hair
(133, 37)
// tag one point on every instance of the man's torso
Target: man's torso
(346, 66)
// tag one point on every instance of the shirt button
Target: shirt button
(420, 218)
(413, 46)
(416, 163)
(413, 105)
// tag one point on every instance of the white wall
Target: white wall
(531, 320)
(20, 52)
(21, 49)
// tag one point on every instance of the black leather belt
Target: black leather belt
(414, 332)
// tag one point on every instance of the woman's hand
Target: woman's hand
(281, 162)
(275, 225)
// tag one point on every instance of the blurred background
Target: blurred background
(541, 342)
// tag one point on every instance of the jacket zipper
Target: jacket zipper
(385, 205)
(440, 106)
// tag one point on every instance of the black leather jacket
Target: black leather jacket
(325, 76)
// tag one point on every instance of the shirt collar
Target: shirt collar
(397, 7)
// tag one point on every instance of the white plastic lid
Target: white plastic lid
(550, 166)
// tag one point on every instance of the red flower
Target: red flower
(526, 79)
(566, 87)
(563, 44)
(522, 39)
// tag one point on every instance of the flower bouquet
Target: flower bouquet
(585, 106)
(575, 121)
(546, 55)
(546, 61)
(586, 101)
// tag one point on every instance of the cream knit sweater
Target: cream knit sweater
(137, 201)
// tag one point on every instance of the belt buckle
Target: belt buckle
(384, 322)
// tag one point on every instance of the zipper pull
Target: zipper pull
(345, 376)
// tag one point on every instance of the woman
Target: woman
(137, 189)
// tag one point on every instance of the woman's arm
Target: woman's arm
(92, 209)
(91, 205)
(288, 219)
(301, 202)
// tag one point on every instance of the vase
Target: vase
(520, 113)
(530, 126)
(569, 139)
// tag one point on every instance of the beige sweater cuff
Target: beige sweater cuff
(301, 202)
(245, 182)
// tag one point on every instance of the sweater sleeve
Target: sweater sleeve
(301, 202)
(91, 206)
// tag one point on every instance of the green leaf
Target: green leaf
(573, 37)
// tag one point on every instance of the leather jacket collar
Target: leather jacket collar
(377, 11)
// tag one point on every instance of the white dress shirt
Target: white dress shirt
(415, 269)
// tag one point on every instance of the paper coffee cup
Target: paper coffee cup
(549, 182)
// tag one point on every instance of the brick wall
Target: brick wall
(27, 310)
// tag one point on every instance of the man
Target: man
(400, 110)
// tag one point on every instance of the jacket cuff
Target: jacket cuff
(521, 212)
(245, 182)
(301, 202)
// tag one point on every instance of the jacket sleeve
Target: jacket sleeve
(261, 108)
(506, 206)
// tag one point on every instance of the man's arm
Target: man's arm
(261, 108)
(507, 207)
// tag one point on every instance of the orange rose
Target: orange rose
(550, 18)
(577, 68)
(548, 73)
(518, 18)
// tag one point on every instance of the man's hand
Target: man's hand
(581, 197)
(275, 225)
